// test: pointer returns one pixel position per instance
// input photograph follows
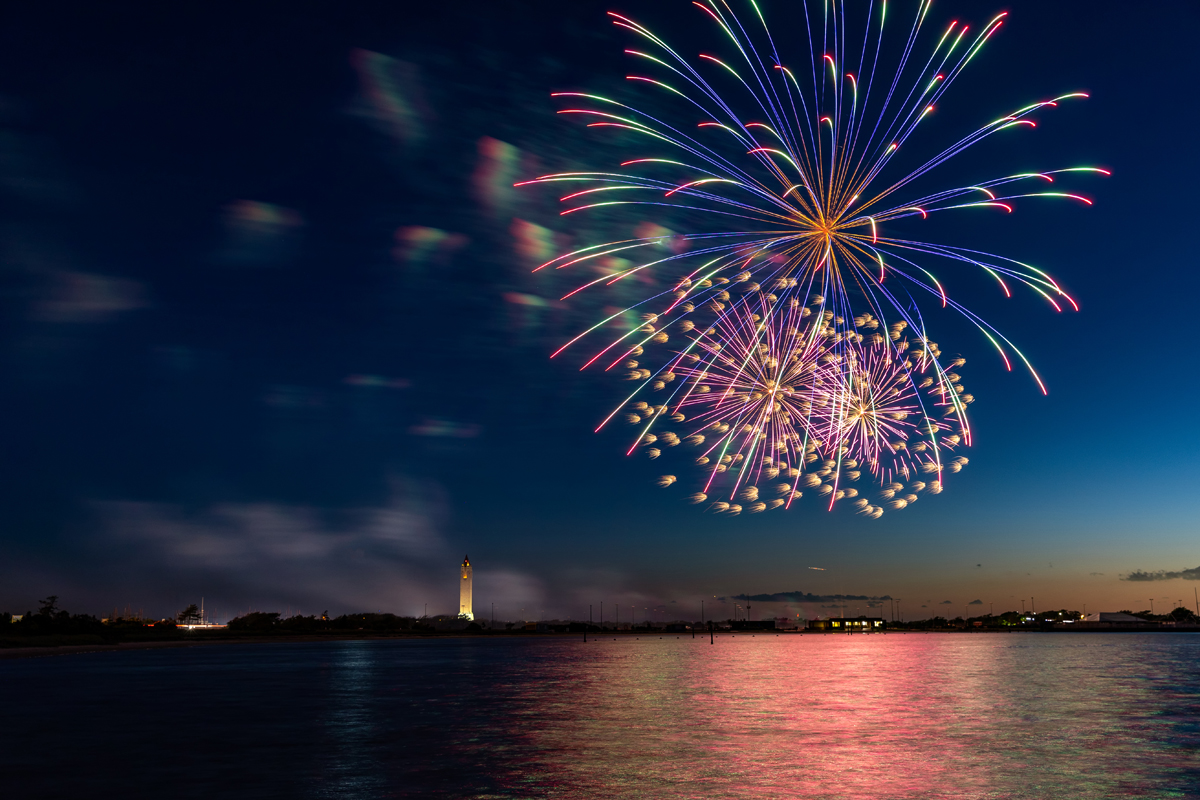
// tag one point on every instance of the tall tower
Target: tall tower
(464, 591)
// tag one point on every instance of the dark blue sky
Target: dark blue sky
(269, 332)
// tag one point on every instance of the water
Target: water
(882, 716)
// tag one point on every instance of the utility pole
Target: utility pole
(1032, 608)
(1022, 607)
(1151, 606)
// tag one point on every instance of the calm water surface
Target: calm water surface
(882, 716)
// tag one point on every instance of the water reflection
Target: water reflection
(892, 716)
(881, 716)
(350, 768)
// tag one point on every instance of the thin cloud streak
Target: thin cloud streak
(1192, 574)
(804, 597)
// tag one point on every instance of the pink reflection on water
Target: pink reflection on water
(836, 716)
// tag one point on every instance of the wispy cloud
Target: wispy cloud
(804, 597)
(80, 297)
(1192, 574)
(273, 555)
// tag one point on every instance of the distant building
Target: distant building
(464, 591)
(754, 624)
(846, 624)
(1108, 619)
(1113, 616)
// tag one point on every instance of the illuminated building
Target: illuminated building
(464, 591)
(846, 625)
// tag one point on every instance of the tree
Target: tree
(49, 606)
(189, 614)
(255, 621)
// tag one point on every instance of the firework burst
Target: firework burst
(784, 298)
(782, 399)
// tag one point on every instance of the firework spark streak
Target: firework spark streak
(782, 369)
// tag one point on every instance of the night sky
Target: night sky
(269, 333)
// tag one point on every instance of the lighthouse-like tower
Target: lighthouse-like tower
(464, 591)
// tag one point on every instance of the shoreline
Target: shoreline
(46, 651)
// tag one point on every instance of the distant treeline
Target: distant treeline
(1009, 619)
(1042, 618)
(52, 626)
(273, 622)
(49, 619)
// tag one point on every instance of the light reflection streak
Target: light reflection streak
(835, 716)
